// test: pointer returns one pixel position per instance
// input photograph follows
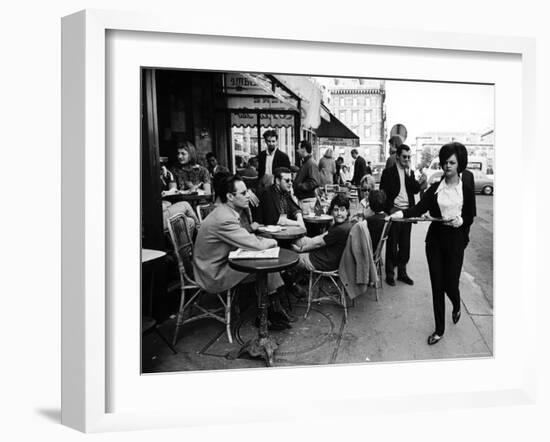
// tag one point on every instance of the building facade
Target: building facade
(360, 105)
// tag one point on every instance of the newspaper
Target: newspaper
(254, 254)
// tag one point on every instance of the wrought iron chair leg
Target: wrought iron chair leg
(228, 317)
(309, 294)
(179, 317)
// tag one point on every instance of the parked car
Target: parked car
(482, 182)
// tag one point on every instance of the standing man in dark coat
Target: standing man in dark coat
(400, 186)
(307, 179)
(359, 169)
(272, 158)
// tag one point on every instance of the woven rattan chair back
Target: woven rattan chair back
(204, 210)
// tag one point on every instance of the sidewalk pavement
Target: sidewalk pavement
(394, 329)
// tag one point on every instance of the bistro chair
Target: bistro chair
(191, 294)
(354, 195)
(332, 188)
(378, 261)
(203, 210)
(316, 278)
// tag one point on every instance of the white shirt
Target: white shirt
(269, 161)
(450, 199)
(401, 201)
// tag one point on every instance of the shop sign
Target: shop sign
(266, 120)
(239, 84)
(345, 142)
(265, 102)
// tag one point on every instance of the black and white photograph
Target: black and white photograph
(292, 220)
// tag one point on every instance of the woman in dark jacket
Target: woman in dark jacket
(452, 199)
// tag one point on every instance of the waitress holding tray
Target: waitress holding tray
(452, 199)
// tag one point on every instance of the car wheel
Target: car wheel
(487, 190)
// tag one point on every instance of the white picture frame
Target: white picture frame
(87, 257)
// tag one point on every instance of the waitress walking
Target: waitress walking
(452, 199)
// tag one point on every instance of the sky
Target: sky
(439, 107)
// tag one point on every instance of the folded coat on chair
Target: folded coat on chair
(357, 269)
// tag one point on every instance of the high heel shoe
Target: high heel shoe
(434, 338)
(456, 317)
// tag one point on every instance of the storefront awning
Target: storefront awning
(337, 133)
(310, 96)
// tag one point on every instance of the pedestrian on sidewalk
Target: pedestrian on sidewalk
(327, 168)
(307, 179)
(452, 199)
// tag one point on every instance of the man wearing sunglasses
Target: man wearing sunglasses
(221, 232)
(400, 185)
(277, 205)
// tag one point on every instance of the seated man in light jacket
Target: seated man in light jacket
(222, 232)
(323, 252)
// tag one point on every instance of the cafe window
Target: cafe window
(244, 142)
(247, 143)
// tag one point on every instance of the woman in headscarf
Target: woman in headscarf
(327, 168)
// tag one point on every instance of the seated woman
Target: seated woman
(323, 252)
(190, 175)
(367, 184)
(345, 174)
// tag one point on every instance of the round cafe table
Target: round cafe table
(285, 236)
(318, 223)
(264, 345)
(192, 198)
(150, 259)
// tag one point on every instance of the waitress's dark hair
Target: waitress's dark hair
(454, 148)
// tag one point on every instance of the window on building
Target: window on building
(354, 101)
(367, 118)
(341, 101)
(355, 117)
(342, 115)
(367, 102)
(355, 130)
(361, 101)
(367, 132)
(349, 101)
